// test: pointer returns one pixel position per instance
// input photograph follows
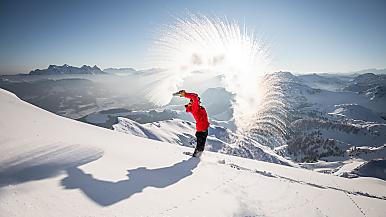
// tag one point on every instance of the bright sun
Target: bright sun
(216, 46)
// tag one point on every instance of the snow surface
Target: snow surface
(54, 166)
(182, 132)
(373, 168)
(356, 112)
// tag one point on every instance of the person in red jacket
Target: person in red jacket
(201, 117)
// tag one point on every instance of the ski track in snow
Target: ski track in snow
(198, 196)
(294, 205)
(269, 174)
(353, 201)
(306, 201)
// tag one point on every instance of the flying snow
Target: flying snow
(215, 46)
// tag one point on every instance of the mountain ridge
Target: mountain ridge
(67, 69)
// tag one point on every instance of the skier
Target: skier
(201, 117)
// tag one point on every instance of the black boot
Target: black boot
(197, 153)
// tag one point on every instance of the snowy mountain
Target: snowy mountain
(54, 166)
(66, 69)
(373, 87)
(331, 130)
(372, 70)
(363, 82)
(356, 112)
(322, 82)
(218, 103)
(107, 118)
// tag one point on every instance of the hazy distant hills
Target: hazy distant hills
(372, 70)
(67, 69)
(120, 71)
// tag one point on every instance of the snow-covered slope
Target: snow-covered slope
(218, 103)
(356, 112)
(373, 87)
(173, 131)
(373, 168)
(182, 132)
(107, 118)
(321, 82)
(53, 166)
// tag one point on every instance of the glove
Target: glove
(180, 93)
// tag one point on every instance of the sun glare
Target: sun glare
(215, 46)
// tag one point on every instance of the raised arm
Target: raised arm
(194, 98)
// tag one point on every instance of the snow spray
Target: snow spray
(198, 43)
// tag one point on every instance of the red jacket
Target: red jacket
(198, 112)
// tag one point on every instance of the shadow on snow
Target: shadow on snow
(106, 193)
(45, 162)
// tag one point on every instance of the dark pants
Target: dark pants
(201, 138)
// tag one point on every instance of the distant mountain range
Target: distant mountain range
(88, 70)
(85, 69)
(67, 69)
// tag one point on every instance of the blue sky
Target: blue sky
(304, 36)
